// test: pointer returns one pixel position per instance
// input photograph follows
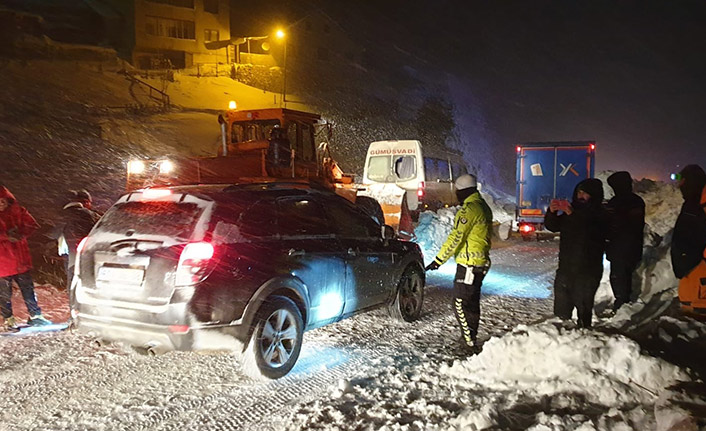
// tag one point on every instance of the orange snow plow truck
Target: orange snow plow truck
(272, 145)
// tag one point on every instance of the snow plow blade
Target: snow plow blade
(692, 291)
(393, 201)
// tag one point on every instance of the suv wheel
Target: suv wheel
(276, 339)
(407, 304)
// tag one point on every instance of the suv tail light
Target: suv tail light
(79, 249)
(80, 246)
(420, 189)
(192, 263)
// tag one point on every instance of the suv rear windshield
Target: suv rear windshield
(174, 219)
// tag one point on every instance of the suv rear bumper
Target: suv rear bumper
(135, 333)
(150, 331)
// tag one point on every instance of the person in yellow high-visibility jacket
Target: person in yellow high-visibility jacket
(469, 244)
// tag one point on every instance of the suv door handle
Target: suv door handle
(293, 252)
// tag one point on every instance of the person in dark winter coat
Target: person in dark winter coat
(16, 224)
(626, 215)
(583, 227)
(78, 219)
(689, 238)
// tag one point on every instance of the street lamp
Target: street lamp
(279, 34)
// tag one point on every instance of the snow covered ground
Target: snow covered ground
(367, 372)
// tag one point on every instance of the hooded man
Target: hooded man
(77, 221)
(689, 238)
(583, 227)
(469, 243)
(626, 218)
(16, 224)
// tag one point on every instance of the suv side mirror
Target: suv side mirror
(387, 232)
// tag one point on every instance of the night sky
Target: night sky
(628, 74)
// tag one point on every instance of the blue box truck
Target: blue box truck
(546, 171)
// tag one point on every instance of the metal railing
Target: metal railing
(153, 92)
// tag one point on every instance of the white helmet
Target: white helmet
(466, 181)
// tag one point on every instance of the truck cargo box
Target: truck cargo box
(546, 171)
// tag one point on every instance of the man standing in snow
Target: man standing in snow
(583, 227)
(77, 221)
(689, 238)
(626, 212)
(16, 224)
(469, 243)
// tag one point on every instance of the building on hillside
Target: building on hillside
(154, 34)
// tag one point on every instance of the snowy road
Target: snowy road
(64, 381)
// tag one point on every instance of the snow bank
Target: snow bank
(548, 361)
(433, 228)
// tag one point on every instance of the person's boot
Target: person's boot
(11, 324)
(468, 345)
(38, 320)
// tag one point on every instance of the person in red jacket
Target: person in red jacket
(16, 224)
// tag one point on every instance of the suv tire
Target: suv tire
(407, 303)
(276, 339)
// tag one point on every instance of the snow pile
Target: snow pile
(384, 193)
(433, 229)
(662, 204)
(566, 368)
(501, 204)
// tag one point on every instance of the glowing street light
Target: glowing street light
(280, 34)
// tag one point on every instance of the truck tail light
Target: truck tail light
(526, 228)
(593, 147)
(193, 262)
(518, 149)
(420, 189)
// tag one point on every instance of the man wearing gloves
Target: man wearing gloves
(469, 244)
(583, 224)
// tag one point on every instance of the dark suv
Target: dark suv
(240, 267)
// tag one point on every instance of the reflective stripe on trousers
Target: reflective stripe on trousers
(467, 288)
